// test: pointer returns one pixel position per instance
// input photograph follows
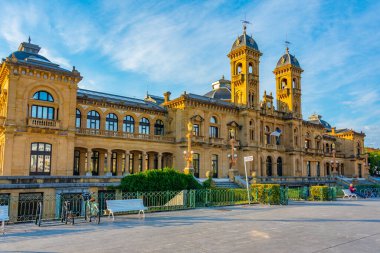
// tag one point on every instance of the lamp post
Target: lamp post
(232, 157)
(335, 172)
(188, 155)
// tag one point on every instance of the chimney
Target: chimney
(167, 96)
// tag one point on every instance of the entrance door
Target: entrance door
(27, 205)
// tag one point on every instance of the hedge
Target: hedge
(158, 180)
(266, 193)
(320, 193)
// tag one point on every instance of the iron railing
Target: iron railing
(303, 193)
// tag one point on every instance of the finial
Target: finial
(287, 43)
(222, 77)
(245, 22)
(29, 40)
(74, 68)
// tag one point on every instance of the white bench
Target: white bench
(3, 217)
(125, 205)
(349, 194)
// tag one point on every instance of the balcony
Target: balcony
(274, 147)
(198, 139)
(43, 123)
(217, 141)
(123, 135)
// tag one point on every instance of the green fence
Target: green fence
(23, 208)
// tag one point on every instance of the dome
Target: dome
(286, 59)
(222, 93)
(245, 40)
(24, 56)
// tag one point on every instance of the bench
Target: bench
(125, 205)
(3, 217)
(349, 194)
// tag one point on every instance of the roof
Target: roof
(221, 93)
(317, 119)
(27, 53)
(286, 59)
(245, 40)
(210, 100)
(155, 99)
(127, 101)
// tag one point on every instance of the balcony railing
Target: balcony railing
(43, 123)
(124, 135)
(200, 139)
(217, 141)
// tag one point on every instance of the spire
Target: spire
(29, 40)
(287, 43)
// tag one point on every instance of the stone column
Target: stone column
(119, 160)
(159, 164)
(89, 161)
(144, 157)
(126, 165)
(82, 163)
(109, 155)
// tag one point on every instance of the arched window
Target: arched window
(327, 148)
(159, 127)
(284, 83)
(93, 120)
(43, 111)
(294, 83)
(111, 122)
(78, 116)
(269, 166)
(213, 130)
(144, 126)
(76, 169)
(238, 68)
(279, 166)
(250, 68)
(214, 165)
(129, 124)
(43, 96)
(40, 158)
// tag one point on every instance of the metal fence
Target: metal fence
(23, 208)
(303, 193)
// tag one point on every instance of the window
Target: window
(196, 164)
(129, 124)
(140, 162)
(214, 165)
(78, 119)
(43, 96)
(76, 162)
(93, 120)
(159, 127)
(42, 112)
(196, 130)
(318, 169)
(267, 135)
(95, 163)
(327, 148)
(250, 68)
(295, 137)
(114, 163)
(308, 168)
(40, 158)
(238, 68)
(144, 126)
(284, 83)
(111, 122)
(269, 166)
(294, 83)
(358, 150)
(213, 130)
(279, 166)
(278, 138)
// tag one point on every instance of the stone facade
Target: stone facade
(48, 126)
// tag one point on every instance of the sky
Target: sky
(131, 47)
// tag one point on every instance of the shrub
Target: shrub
(159, 180)
(266, 193)
(320, 193)
(209, 184)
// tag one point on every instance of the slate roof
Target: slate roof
(220, 93)
(210, 100)
(287, 58)
(245, 40)
(117, 99)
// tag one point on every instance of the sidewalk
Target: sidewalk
(340, 226)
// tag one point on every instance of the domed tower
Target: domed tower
(288, 84)
(244, 59)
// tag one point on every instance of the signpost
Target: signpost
(247, 159)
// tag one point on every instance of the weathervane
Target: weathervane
(245, 22)
(287, 43)
(29, 40)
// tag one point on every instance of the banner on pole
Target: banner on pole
(248, 158)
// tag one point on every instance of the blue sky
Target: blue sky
(127, 47)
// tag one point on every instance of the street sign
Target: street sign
(248, 158)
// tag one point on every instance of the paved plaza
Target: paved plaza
(340, 226)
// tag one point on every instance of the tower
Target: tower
(244, 59)
(288, 84)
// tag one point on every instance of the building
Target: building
(52, 130)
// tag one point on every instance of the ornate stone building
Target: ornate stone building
(50, 127)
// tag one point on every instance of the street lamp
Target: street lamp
(334, 172)
(188, 155)
(232, 157)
